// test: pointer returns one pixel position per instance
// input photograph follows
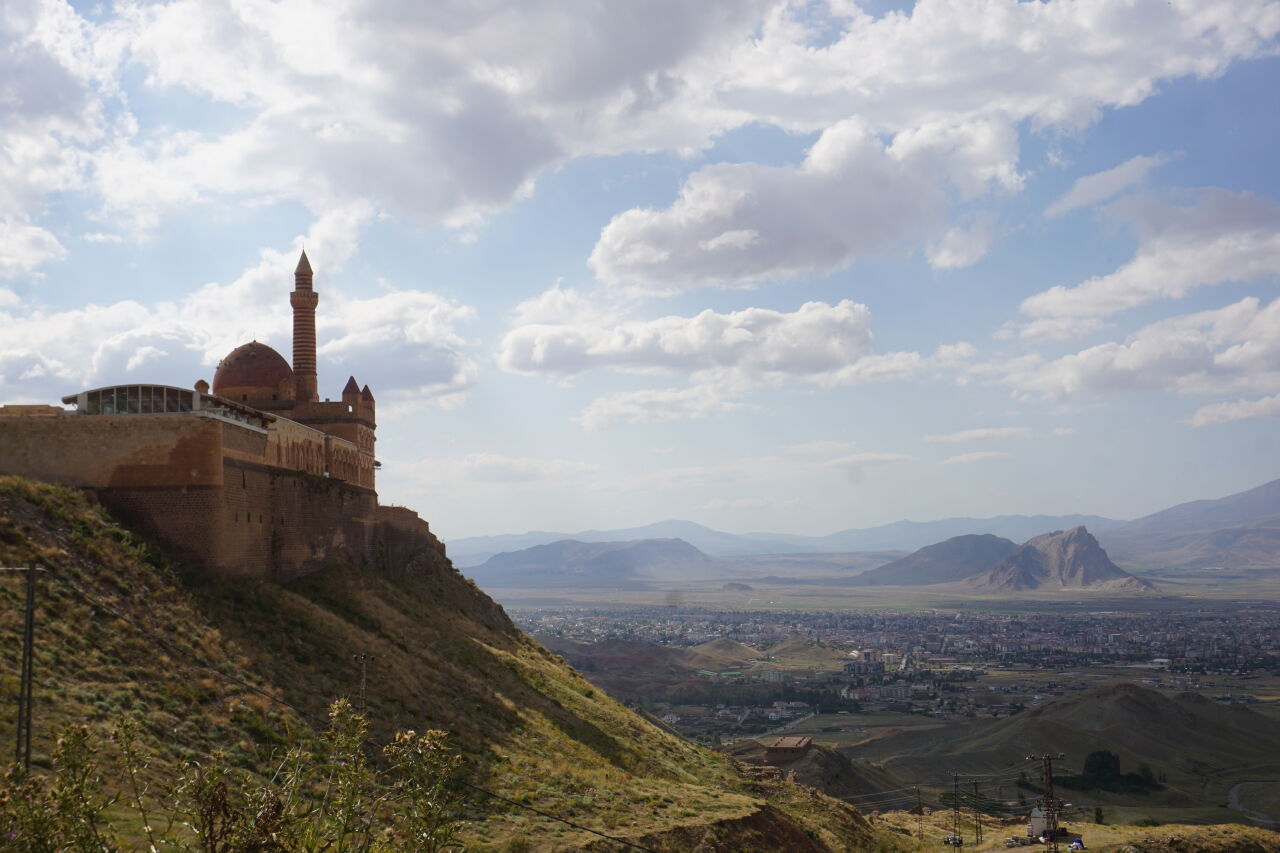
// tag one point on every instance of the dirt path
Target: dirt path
(1233, 801)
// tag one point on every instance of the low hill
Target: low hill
(956, 559)
(721, 653)
(1238, 531)
(570, 563)
(1070, 559)
(1202, 747)
(243, 666)
(834, 774)
(801, 651)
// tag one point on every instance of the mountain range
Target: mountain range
(1238, 531)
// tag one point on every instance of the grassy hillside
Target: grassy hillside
(120, 629)
(1199, 748)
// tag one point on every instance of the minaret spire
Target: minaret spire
(304, 300)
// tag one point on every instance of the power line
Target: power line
(26, 681)
(163, 643)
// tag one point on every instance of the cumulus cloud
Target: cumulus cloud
(24, 247)
(1234, 349)
(978, 456)
(1236, 410)
(560, 335)
(983, 434)
(1098, 187)
(1218, 237)
(963, 245)
(659, 404)
(913, 110)
(756, 343)
(46, 354)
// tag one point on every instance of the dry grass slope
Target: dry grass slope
(445, 656)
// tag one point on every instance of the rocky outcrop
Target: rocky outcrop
(1070, 559)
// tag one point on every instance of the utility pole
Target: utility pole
(363, 658)
(977, 815)
(26, 681)
(919, 815)
(955, 806)
(1048, 802)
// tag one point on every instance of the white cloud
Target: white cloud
(756, 343)
(725, 355)
(495, 468)
(979, 456)
(963, 245)
(1234, 349)
(856, 466)
(983, 434)
(1237, 410)
(742, 223)
(1098, 187)
(1063, 432)
(1219, 237)
(409, 335)
(819, 448)
(656, 405)
(24, 247)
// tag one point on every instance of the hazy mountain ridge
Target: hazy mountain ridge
(1239, 531)
(898, 536)
(571, 562)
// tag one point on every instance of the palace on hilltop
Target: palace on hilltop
(256, 476)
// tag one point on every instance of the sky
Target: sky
(769, 266)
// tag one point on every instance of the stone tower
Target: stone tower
(304, 300)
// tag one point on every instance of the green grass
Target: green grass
(445, 657)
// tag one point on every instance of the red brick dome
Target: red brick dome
(252, 365)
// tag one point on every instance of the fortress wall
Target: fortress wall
(186, 521)
(317, 519)
(120, 451)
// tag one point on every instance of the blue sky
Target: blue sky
(778, 266)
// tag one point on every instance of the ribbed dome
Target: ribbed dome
(252, 365)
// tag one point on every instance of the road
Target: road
(1233, 800)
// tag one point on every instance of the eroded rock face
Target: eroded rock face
(1070, 559)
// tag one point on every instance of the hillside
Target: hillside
(570, 563)
(211, 665)
(1201, 746)
(1237, 531)
(833, 773)
(1070, 559)
(955, 559)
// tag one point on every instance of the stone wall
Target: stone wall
(114, 450)
(202, 489)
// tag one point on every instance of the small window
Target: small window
(244, 397)
(273, 396)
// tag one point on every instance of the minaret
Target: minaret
(304, 299)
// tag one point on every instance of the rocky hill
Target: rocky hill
(244, 667)
(956, 559)
(833, 773)
(1070, 559)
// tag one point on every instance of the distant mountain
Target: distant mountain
(474, 550)
(588, 564)
(1238, 531)
(957, 558)
(1070, 559)
(898, 536)
(910, 535)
